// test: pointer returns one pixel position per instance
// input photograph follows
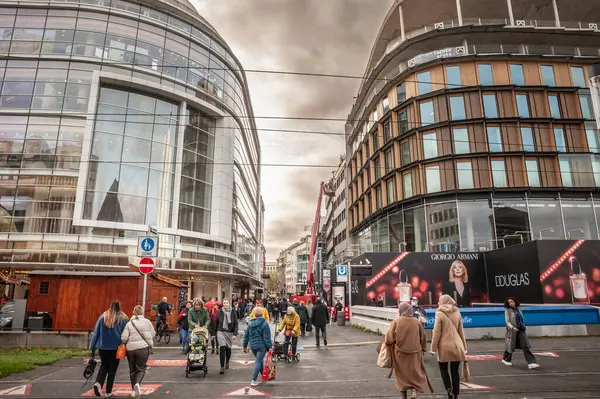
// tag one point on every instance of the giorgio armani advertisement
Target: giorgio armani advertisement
(400, 276)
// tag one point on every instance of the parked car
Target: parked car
(6, 315)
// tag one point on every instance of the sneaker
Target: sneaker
(318, 344)
(534, 366)
(98, 389)
(108, 395)
(253, 383)
(222, 370)
(325, 342)
(137, 392)
(412, 393)
(227, 366)
(506, 363)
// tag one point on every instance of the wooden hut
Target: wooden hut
(75, 300)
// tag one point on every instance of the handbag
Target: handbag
(268, 372)
(384, 359)
(121, 352)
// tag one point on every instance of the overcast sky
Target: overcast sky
(315, 36)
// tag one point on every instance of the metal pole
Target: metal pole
(144, 295)
(350, 292)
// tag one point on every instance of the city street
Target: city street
(345, 369)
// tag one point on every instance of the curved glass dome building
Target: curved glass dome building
(120, 115)
(474, 127)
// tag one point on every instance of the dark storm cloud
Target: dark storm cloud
(313, 36)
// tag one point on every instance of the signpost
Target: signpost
(147, 249)
(342, 273)
(326, 280)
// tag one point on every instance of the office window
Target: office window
(405, 153)
(403, 122)
(565, 172)
(578, 77)
(424, 82)
(517, 77)
(453, 77)
(523, 105)
(465, 175)
(390, 191)
(432, 175)
(377, 168)
(554, 105)
(490, 107)
(430, 146)
(375, 116)
(548, 75)
(387, 132)
(527, 139)
(586, 106)
(427, 113)
(559, 139)
(386, 104)
(375, 142)
(389, 161)
(486, 77)
(457, 108)
(407, 180)
(401, 93)
(592, 137)
(499, 173)
(494, 137)
(378, 197)
(533, 173)
(461, 141)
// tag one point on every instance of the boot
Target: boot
(222, 371)
(412, 393)
(450, 394)
(404, 394)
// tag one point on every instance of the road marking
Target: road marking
(19, 390)
(124, 390)
(167, 363)
(474, 387)
(246, 391)
(499, 357)
(244, 362)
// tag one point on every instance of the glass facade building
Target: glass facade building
(116, 116)
(493, 131)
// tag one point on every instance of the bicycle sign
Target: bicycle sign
(147, 247)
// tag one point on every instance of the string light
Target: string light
(386, 269)
(560, 260)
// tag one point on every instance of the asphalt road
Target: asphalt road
(345, 369)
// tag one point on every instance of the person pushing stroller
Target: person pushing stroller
(290, 326)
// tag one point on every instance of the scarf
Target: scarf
(519, 319)
(226, 319)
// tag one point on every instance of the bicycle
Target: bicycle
(163, 331)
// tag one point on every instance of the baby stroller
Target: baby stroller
(197, 350)
(279, 352)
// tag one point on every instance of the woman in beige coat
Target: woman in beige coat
(449, 343)
(407, 336)
(138, 336)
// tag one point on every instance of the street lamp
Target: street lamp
(574, 230)
(550, 229)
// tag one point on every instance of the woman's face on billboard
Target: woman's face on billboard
(457, 269)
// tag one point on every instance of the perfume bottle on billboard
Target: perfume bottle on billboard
(578, 282)
(404, 288)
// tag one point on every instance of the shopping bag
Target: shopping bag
(121, 352)
(268, 373)
(384, 359)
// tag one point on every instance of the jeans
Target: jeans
(184, 339)
(322, 329)
(522, 342)
(160, 318)
(294, 344)
(108, 367)
(258, 363)
(452, 379)
(137, 365)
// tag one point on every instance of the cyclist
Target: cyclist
(161, 313)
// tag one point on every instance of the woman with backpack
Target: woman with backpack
(407, 338)
(138, 336)
(107, 338)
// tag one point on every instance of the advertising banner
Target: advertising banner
(514, 272)
(427, 276)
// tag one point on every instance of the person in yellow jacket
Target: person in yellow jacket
(265, 314)
(290, 325)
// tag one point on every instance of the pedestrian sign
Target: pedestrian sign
(245, 392)
(342, 273)
(147, 247)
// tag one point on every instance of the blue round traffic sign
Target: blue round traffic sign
(147, 244)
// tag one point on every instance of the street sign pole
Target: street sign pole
(144, 295)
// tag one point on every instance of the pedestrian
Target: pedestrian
(295, 305)
(309, 306)
(319, 319)
(4, 299)
(276, 311)
(198, 315)
(107, 338)
(516, 334)
(290, 326)
(380, 302)
(161, 313)
(265, 313)
(304, 318)
(209, 304)
(213, 315)
(448, 341)
(283, 305)
(138, 336)
(227, 330)
(408, 338)
(258, 337)
(418, 312)
(185, 326)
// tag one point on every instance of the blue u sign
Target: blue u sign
(342, 270)
(147, 244)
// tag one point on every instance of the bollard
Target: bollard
(341, 320)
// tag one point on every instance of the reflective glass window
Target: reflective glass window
(432, 175)
(424, 82)
(427, 113)
(517, 76)
(414, 230)
(389, 161)
(591, 134)
(559, 140)
(499, 173)
(465, 175)
(486, 77)
(407, 185)
(523, 105)
(457, 108)
(490, 106)
(401, 93)
(578, 76)
(554, 104)
(403, 122)
(405, 153)
(446, 224)
(379, 198)
(494, 137)
(476, 225)
(453, 77)
(565, 172)
(533, 173)
(527, 139)
(387, 131)
(512, 219)
(391, 191)
(430, 145)
(546, 221)
(548, 75)
(579, 219)
(587, 111)
(386, 104)
(461, 141)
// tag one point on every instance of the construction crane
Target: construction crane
(329, 190)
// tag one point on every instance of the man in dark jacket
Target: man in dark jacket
(304, 318)
(283, 305)
(258, 336)
(161, 312)
(319, 319)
